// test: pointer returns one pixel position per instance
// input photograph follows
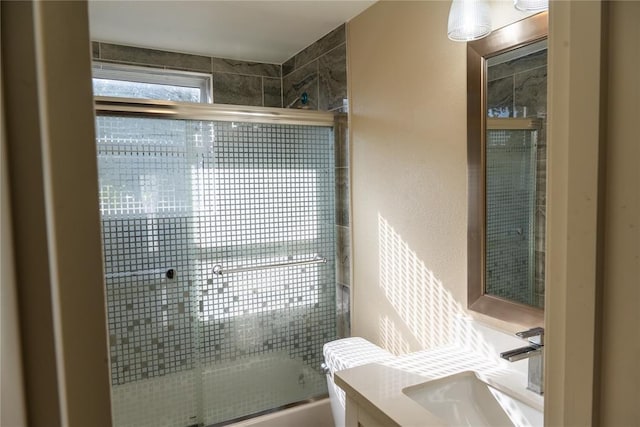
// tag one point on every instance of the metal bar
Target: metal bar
(191, 111)
(168, 272)
(219, 271)
(513, 124)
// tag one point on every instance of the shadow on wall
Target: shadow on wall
(427, 309)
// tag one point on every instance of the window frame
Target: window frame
(159, 76)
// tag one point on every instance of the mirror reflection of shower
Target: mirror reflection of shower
(516, 174)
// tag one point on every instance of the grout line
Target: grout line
(281, 92)
(513, 95)
(244, 74)
(318, 83)
(314, 59)
(518, 72)
(162, 67)
(262, 81)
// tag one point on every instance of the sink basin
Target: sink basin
(464, 399)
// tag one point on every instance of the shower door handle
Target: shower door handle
(218, 270)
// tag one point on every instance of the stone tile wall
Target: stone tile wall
(518, 88)
(234, 82)
(320, 70)
(343, 229)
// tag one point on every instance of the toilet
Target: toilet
(343, 354)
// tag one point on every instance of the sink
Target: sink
(464, 399)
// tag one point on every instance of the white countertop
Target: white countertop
(378, 387)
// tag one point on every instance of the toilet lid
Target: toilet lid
(351, 352)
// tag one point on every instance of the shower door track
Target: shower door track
(111, 106)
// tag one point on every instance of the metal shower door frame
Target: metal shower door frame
(215, 112)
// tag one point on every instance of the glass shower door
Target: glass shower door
(511, 219)
(219, 259)
(265, 203)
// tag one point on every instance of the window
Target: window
(150, 83)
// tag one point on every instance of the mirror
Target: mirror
(506, 147)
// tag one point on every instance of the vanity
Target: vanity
(486, 377)
(447, 386)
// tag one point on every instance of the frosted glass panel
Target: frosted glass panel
(178, 197)
(127, 89)
(510, 198)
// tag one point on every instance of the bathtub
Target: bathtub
(252, 385)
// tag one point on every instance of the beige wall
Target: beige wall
(593, 248)
(408, 122)
(573, 194)
(48, 118)
(408, 108)
(620, 344)
(409, 175)
(12, 405)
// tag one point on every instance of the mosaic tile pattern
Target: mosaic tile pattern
(518, 88)
(178, 197)
(510, 232)
(257, 383)
(167, 401)
(274, 201)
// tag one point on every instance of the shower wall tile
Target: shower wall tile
(158, 58)
(541, 175)
(539, 293)
(272, 89)
(540, 220)
(500, 97)
(320, 47)
(332, 72)
(342, 196)
(343, 256)
(540, 262)
(343, 313)
(328, 57)
(302, 80)
(319, 70)
(541, 161)
(342, 141)
(237, 89)
(288, 66)
(223, 65)
(535, 60)
(241, 76)
(530, 91)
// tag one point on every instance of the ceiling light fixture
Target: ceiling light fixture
(469, 20)
(531, 5)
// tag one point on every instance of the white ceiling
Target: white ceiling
(264, 31)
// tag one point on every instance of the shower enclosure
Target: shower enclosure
(219, 247)
(511, 189)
